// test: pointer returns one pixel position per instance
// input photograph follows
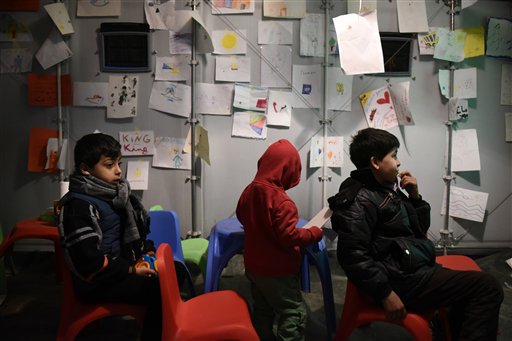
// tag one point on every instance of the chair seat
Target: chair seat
(195, 251)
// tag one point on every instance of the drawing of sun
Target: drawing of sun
(229, 40)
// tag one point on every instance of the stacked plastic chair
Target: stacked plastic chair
(219, 315)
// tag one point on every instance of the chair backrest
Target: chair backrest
(165, 228)
(169, 289)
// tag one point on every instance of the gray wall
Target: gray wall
(233, 160)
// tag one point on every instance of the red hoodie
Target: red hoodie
(269, 216)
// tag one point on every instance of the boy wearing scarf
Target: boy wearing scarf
(103, 227)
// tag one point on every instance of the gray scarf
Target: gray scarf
(120, 196)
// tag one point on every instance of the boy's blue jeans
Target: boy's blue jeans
(281, 298)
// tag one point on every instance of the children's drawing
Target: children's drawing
(229, 42)
(466, 204)
(90, 94)
(98, 8)
(465, 154)
(450, 45)
(180, 43)
(333, 152)
(169, 153)
(60, 16)
(275, 32)
(457, 109)
(474, 45)
(232, 69)
(249, 124)
(312, 35)
(15, 60)
(122, 96)
(361, 6)
(464, 83)
(412, 16)
(499, 43)
(159, 14)
(427, 41)
(232, 6)
(378, 108)
(213, 99)
(284, 8)
(400, 96)
(508, 126)
(250, 97)
(307, 82)
(276, 66)
(173, 68)
(171, 97)
(339, 89)
(137, 173)
(140, 142)
(13, 30)
(279, 108)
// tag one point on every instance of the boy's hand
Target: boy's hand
(410, 184)
(145, 272)
(395, 309)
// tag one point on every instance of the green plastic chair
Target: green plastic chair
(195, 250)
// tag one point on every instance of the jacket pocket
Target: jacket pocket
(413, 253)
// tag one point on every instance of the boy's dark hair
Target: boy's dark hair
(90, 148)
(371, 142)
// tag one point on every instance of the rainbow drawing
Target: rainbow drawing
(257, 123)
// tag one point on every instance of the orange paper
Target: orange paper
(42, 90)
(37, 148)
(19, 5)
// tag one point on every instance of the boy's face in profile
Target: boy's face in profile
(107, 169)
(386, 170)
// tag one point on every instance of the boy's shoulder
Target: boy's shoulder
(346, 194)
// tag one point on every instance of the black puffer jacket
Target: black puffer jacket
(382, 244)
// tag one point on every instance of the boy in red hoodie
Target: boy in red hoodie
(272, 254)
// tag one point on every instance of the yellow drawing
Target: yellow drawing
(229, 40)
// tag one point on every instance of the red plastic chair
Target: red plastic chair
(359, 311)
(75, 314)
(218, 315)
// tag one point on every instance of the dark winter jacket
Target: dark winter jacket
(382, 244)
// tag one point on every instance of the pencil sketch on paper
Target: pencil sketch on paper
(466, 204)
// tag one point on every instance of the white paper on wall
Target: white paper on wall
(499, 31)
(229, 42)
(169, 153)
(275, 32)
(249, 124)
(361, 6)
(279, 108)
(90, 94)
(359, 43)
(276, 66)
(506, 84)
(427, 41)
(232, 69)
(173, 68)
(232, 7)
(17, 60)
(284, 8)
(250, 97)
(159, 15)
(508, 126)
(312, 41)
(466, 204)
(171, 97)
(412, 16)
(214, 99)
(138, 142)
(307, 85)
(457, 109)
(60, 16)
(464, 83)
(137, 174)
(332, 151)
(465, 154)
(98, 8)
(339, 90)
(450, 45)
(53, 51)
(122, 96)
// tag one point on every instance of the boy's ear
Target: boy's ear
(84, 169)
(374, 163)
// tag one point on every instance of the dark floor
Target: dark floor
(30, 310)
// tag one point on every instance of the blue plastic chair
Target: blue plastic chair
(165, 228)
(227, 239)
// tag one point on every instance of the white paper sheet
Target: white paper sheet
(465, 154)
(499, 31)
(307, 85)
(466, 204)
(53, 51)
(333, 153)
(359, 43)
(457, 109)
(339, 90)
(60, 16)
(123, 93)
(159, 15)
(284, 8)
(361, 6)
(450, 45)
(320, 218)
(379, 109)
(229, 42)
(169, 153)
(250, 97)
(173, 68)
(464, 83)
(232, 69)
(98, 8)
(276, 66)
(90, 94)
(214, 99)
(312, 41)
(137, 142)
(506, 84)
(412, 16)
(232, 7)
(137, 174)
(249, 124)
(202, 143)
(171, 97)
(279, 108)
(13, 30)
(15, 60)
(275, 32)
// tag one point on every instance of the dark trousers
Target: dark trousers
(472, 297)
(134, 289)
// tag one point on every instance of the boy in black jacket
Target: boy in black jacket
(103, 228)
(382, 244)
